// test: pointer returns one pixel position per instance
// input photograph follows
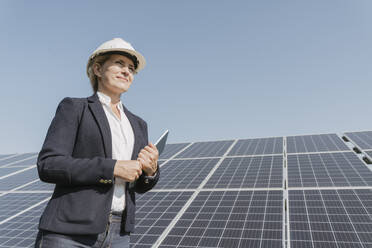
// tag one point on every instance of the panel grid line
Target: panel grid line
(171, 225)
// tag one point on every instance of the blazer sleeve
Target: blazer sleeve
(145, 183)
(55, 162)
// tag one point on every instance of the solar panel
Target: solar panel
(21, 231)
(315, 143)
(257, 146)
(12, 203)
(38, 186)
(230, 219)
(206, 149)
(248, 172)
(171, 149)
(184, 174)
(19, 179)
(26, 162)
(3, 156)
(7, 170)
(327, 170)
(362, 139)
(226, 194)
(330, 218)
(7, 161)
(155, 210)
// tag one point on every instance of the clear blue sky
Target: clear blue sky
(216, 69)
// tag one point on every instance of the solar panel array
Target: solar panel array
(297, 191)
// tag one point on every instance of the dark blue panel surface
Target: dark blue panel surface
(330, 218)
(248, 172)
(171, 149)
(21, 231)
(27, 162)
(185, 174)
(155, 211)
(362, 139)
(19, 179)
(8, 161)
(257, 146)
(206, 149)
(327, 170)
(230, 219)
(315, 143)
(14, 203)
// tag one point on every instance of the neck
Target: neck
(115, 98)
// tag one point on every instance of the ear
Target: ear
(97, 69)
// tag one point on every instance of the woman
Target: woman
(97, 154)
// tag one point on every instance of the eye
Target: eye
(131, 69)
(119, 62)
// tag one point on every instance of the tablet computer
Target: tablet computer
(160, 143)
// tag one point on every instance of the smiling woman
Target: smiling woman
(93, 149)
(115, 75)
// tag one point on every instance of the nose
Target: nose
(125, 70)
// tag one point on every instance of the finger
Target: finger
(145, 159)
(141, 161)
(139, 165)
(153, 147)
(150, 150)
(145, 152)
(153, 154)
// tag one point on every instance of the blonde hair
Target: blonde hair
(100, 59)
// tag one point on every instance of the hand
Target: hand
(148, 157)
(129, 170)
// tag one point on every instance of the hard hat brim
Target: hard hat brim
(140, 58)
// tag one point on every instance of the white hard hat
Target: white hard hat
(118, 45)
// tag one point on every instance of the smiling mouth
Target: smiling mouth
(124, 79)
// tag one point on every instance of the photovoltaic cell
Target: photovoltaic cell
(38, 185)
(330, 218)
(16, 158)
(27, 162)
(2, 156)
(206, 149)
(257, 146)
(21, 231)
(155, 211)
(362, 139)
(171, 149)
(14, 203)
(19, 179)
(185, 174)
(315, 143)
(327, 170)
(248, 172)
(230, 219)
(8, 170)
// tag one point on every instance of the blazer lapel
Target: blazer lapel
(103, 124)
(136, 132)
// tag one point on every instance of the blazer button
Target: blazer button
(110, 181)
(146, 180)
(102, 181)
(105, 181)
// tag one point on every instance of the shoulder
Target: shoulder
(72, 106)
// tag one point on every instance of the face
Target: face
(115, 75)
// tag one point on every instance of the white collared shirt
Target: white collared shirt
(122, 145)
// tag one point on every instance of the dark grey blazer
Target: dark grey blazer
(77, 158)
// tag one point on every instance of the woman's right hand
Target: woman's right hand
(128, 170)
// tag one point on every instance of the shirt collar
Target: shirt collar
(105, 99)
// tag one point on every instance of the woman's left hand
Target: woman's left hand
(148, 157)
